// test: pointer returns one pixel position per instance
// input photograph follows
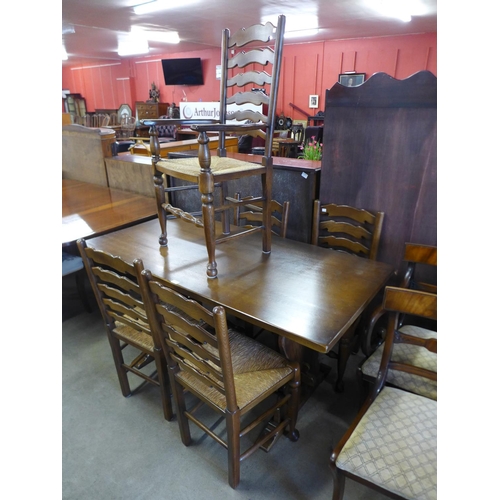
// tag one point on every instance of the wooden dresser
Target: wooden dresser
(146, 110)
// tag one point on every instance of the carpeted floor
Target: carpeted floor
(122, 448)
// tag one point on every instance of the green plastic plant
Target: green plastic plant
(312, 150)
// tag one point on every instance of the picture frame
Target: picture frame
(352, 79)
(313, 101)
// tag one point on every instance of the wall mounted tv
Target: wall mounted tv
(182, 71)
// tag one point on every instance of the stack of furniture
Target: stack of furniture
(240, 67)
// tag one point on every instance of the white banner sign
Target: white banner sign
(208, 110)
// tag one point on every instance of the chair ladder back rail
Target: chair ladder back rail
(262, 56)
(118, 297)
(405, 301)
(183, 325)
(253, 213)
(363, 239)
(117, 288)
(416, 254)
(413, 302)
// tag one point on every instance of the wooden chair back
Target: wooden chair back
(115, 284)
(400, 425)
(415, 255)
(195, 340)
(346, 228)
(251, 214)
(418, 303)
(223, 369)
(251, 66)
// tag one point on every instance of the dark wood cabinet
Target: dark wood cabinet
(145, 110)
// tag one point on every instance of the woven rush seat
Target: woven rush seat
(379, 449)
(190, 167)
(256, 369)
(134, 337)
(224, 371)
(415, 355)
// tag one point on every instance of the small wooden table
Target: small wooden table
(90, 210)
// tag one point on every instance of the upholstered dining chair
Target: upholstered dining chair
(416, 256)
(239, 379)
(391, 446)
(117, 290)
(251, 214)
(246, 55)
(355, 231)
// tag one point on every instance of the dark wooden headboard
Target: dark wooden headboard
(380, 154)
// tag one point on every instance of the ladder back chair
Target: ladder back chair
(352, 230)
(416, 256)
(116, 287)
(251, 214)
(243, 55)
(224, 370)
(391, 446)
(416, 355)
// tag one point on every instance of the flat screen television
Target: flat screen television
(186, 71)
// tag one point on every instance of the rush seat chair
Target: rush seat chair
(246, 56)
(243, 382)
(118, 294)
(352, 230)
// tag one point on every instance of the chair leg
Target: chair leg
(338, 483)
(233, 447)
(266, 213)
(293, 406)
(120, 370)
(160, 200)
(162, 369)
(206, 186)
(180, 406)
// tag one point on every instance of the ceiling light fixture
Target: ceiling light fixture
(132, 45)
(156, 35)
(301, 33)
(156, 5)
(400, 9)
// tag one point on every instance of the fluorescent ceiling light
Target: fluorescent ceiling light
(400, 9)
(156, 5)
(296, 26)
(156, 35)
(132, 45)
(301, 33)
(64, 54)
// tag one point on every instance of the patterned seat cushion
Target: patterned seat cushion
(395, 445)
(415, 355)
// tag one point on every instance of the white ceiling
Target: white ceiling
(98, 24)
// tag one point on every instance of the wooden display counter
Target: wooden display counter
(296, 181)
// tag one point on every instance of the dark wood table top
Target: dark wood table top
(308, 294)
(89, 210)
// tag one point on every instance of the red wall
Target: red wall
(309, 68)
